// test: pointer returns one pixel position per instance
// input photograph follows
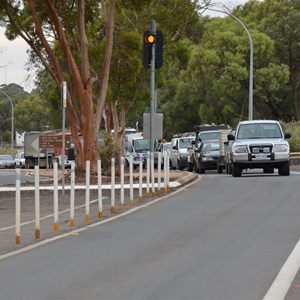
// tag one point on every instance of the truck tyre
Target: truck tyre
(284, 170)
(171, 166)
(220, 169)
(180, 167)
(190, 167)
(229, 169)
(236, 171)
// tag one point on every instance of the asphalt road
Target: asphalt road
(8, 176)
(222, 238)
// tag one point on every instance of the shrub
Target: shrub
(294, 129)
(108, 151)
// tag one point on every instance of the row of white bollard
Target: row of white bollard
(150, 175)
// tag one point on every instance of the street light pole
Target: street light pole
(250, 112)
(12, 123)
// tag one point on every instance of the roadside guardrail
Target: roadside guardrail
(295, 158)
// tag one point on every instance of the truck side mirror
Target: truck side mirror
(230, 137)
(287, 135)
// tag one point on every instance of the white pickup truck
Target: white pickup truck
(259, 144)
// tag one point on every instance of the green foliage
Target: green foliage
(205, 74)
(31, 115)
(108, 151)
(294, 129)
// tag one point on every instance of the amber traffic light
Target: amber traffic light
(149, 39)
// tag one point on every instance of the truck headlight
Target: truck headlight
(240, 149)
(281, 148)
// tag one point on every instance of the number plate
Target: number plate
(261, 156)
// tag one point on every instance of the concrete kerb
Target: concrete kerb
(185, 179)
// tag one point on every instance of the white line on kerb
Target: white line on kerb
(285, 277)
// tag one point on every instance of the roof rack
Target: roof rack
(184, 134)
(208, 127)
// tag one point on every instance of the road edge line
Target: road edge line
(285, 277)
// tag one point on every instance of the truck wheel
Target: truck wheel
(284, 170)
(220, 169)
(196, 169)
(236, 171)
(190, 167)
(201, 170)
(229, 169)
(180, 167)
(171, 166)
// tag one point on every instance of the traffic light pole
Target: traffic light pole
(152, 88)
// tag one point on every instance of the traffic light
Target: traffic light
(148, 40)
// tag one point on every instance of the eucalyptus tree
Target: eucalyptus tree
(177, 20)
(215, 82)
(280, 20)
(61, 35)
(31, 114)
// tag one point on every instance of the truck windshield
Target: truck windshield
(208, 136)
(260, 130)
(142, 145)
(185, 143)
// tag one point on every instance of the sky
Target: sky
(13, 56)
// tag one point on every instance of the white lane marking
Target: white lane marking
(285, 277)
(25, 249)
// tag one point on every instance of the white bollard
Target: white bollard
(152, 174)
(165, 171)
(168, 171)
(141, 180)
(18, 206)
(131, 202)
(112, 206)
(37, 202)
(158, 173)
(55, 195)
(148, 176)
(87, 191)
(100, 204)
(122, 165)
(72, 195)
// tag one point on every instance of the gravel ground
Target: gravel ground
(27, 234)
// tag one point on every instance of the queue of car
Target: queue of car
(8, 162)
(255, 144)
(259, 144)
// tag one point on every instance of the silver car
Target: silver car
(7, 162)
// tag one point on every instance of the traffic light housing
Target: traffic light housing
(148, 40)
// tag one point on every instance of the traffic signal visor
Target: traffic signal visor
(150, 39)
